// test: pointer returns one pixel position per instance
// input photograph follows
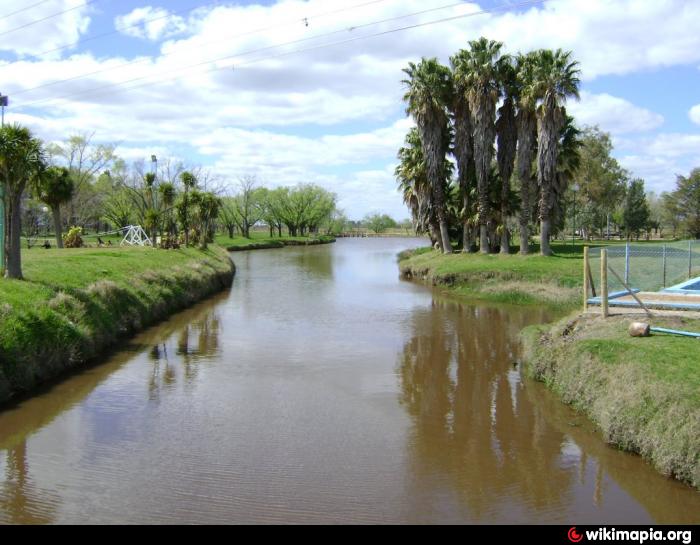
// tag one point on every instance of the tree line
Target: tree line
(514, 159)
(87, 187)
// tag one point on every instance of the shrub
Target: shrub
(74, 238)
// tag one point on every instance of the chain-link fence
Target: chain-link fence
(649, 267)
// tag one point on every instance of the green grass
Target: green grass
(75, 303)
(260, 240)
(514, 279)
(643, 393)
(672, 359)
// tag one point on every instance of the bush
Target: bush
(74, 238)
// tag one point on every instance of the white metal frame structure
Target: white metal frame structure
(135, 236)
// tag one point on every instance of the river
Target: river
(321, 389)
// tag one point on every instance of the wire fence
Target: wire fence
(648, 267)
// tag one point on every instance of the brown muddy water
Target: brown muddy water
(321, 389)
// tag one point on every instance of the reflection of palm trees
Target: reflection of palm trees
(471, 420)
(164, 371)
(20, 501)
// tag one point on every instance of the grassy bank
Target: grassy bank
(262, 241)
(643, 394)
(515, 279)
(74, 304)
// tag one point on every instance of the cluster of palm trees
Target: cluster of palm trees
(503, 120)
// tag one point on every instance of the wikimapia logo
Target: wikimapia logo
(635, 536)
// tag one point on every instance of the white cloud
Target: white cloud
(660, 159)
(613, 114)
(150, 23)
(694, 114)
(20, 37)
(248, 112)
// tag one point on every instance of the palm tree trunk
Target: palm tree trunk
(432, 138)
(527, 132)
(464, 153)
(483, 111)
(13, 251)
(549, 125)
(57, 225)
(507, 131)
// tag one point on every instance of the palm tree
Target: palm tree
(526, 121)
(463, 150)
(568, 162)
(412, 175)
(21, 161)
(428, 93)
(555, 78)
(189, 181)
(507, 138)
(477, 71)
(55, 187)
(167, 197)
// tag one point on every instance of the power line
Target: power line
(111, 88)
(304, 20)
(110, 33)
(24, 9)
(37, 21)
(245, 53)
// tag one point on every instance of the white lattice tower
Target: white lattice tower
(136, 236)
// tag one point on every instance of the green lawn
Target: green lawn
(643, 393)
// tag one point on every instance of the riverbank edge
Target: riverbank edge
(633, 408)
(80, 325)
(282, 243)
(493, 286)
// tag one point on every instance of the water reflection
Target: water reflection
(196, 342)
(21, 500)
(484, 433)
(472, 429)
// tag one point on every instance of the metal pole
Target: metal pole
(627, 263)
(573, 234)
(586, 281)
(690, 259)
(665, 258)
(604, 282)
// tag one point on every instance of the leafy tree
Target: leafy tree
(601, 179)
(22, 161)
(85, 161)
(687, 195)
(55, 187)
(379, 223)
(671, 211)
(636, 213)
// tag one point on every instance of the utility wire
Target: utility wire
(111, 88)
(24, 9)
(109, 33)
(246, 53)
(37, 21)
(226, 38)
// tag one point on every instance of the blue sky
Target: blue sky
(332, 115)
